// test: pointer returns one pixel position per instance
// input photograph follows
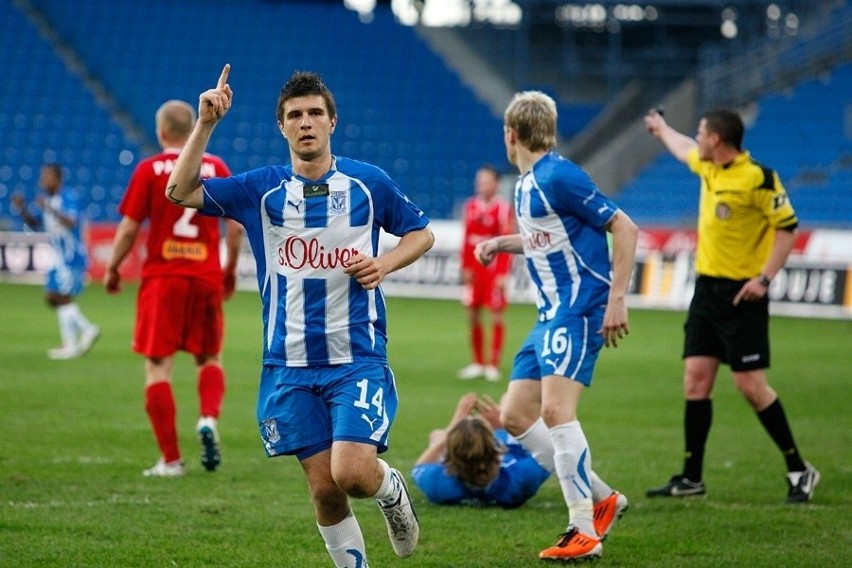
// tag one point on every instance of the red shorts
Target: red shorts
(483, 291)
(178, 314)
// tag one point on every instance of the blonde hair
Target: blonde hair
(532, 114)
(175, 120)
(473, 453)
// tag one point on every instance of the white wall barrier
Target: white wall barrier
(817, 281)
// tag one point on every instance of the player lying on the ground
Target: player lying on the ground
(474, 461)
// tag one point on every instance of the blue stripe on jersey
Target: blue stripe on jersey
(559, 265)
(315, 316)
(359, 205)
(538, 208)
(275, 202)
(275, 334)
(542, 301)
(316, 213)
(358, 311)
(381, 314)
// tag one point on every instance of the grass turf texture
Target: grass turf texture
(75, 440)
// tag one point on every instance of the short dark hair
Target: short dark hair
(303, 84)
(490, 168)
(54, 168)
(727, 124)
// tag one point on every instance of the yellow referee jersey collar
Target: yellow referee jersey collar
(744, 156)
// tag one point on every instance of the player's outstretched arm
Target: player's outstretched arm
(486, 251)
(676, 143)
(184, 185)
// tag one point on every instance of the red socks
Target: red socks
(162, 411)
(211, 390)
(497, 344)
(476, 340)
(160, 406)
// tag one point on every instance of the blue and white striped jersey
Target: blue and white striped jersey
(302, 233)
(561, 217)
(69, 250)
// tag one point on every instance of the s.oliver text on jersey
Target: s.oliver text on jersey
(297, 252)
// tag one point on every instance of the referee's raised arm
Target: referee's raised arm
(184, 185)
(676, 143)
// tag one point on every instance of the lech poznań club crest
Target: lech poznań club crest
(338, 203)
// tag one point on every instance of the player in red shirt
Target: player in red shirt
(487, 214)
(179, 306)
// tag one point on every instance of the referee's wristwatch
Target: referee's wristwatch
(764, 280)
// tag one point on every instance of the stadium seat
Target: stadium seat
(391, 101)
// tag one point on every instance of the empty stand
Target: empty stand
(399, 105)
(47, 115)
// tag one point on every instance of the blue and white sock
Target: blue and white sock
(345, 543)
(573, 461)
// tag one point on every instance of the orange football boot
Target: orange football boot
(607, 511)
(572, 546)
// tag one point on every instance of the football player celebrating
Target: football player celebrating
(327, 394)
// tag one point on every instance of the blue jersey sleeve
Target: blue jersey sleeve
(394, 212)
(238, 197)
(437, 485)
(575, 193)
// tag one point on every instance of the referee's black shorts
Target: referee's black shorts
(715, 327)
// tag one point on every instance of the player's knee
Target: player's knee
(355, 484)
(515, 423)
(554, 415)
(205, 360)
(697, 385)
(329, 501)
(753, 386)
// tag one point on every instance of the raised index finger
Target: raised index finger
(223, 78)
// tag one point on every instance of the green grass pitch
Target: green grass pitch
(74, 440)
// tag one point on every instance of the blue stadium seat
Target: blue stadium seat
(60, 123)
(397, 106)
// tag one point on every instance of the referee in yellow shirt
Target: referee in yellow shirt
(746, 230)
